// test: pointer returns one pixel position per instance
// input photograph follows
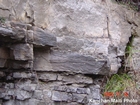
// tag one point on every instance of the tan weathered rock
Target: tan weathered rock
(41, 60)
(22, 52)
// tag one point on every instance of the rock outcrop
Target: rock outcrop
(52, 52)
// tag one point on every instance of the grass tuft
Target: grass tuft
(119, 83)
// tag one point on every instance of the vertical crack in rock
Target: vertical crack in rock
(126, 59)
(29, 14)
(108, 27)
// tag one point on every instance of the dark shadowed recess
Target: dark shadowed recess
(135, 3)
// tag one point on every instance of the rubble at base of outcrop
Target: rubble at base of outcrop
(59, 49)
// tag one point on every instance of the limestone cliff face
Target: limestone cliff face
(52, 50)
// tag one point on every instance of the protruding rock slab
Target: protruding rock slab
(71, 63)
(79, 64)
(43, 38)
(12, 35)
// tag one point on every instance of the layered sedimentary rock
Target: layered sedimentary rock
(52, 51)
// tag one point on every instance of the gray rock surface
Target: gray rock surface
(21, 64)
(79, 64)
(134, 53)
(42, 38)
(22, 95)
(22, 52)
(52, 51)
(38, 94)
(61, 96)
(75, 29)
(12, 34)
(79, 79)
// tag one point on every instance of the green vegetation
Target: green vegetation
(129, 46)
(128, 54)
(129, 3)
(124, 84)
(119, 83)
(2, 20)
